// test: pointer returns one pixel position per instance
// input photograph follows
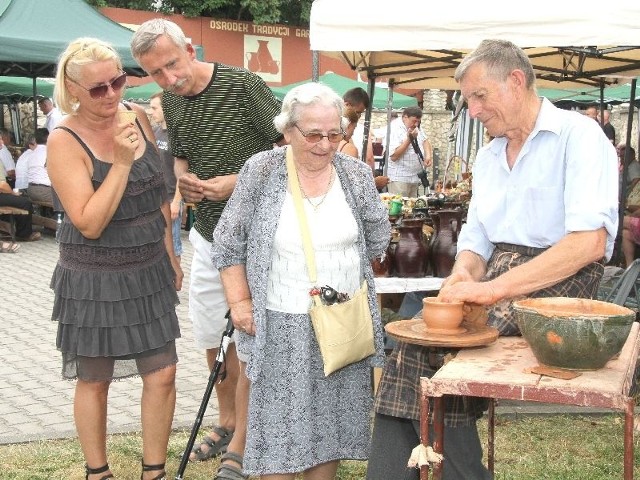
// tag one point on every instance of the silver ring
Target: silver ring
(131, 139)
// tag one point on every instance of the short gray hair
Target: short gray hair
(145, 37)
(312, 93)
(501, 57)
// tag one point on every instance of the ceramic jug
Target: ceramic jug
(447, 224)
(264, 57)
(410, 255)
(253, 62)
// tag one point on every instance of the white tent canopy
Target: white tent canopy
(570, 43)
(419, 44)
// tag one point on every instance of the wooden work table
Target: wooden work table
(502, 370)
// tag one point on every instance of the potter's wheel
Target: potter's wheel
(416, 332)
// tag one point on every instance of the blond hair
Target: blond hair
(80, 52)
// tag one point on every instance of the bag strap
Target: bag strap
(416, 148)
(294, 186)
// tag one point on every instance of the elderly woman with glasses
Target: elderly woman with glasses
(116, 278)
(298, 419)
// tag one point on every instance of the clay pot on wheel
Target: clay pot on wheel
(442, 317)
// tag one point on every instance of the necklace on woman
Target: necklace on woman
(316, 205)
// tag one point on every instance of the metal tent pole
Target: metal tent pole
(385, 158)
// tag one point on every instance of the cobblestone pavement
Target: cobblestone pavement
(35, 402)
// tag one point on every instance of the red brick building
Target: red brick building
(280, 54)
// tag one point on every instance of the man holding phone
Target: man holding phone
(405, 164)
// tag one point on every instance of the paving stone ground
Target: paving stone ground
(35, 402)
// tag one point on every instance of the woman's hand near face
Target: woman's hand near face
(126, 142)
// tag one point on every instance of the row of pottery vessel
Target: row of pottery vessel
(412, 254)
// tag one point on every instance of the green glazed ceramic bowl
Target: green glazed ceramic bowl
(573, 333)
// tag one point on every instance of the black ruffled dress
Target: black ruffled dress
(115, 296)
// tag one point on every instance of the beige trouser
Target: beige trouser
(403, 188)
(39, 193)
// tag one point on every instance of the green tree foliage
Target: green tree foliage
(289, 12)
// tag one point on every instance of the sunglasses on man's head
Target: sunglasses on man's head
(101, 90)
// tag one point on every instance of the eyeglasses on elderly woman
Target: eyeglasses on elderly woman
(315, 137)
(101, 90)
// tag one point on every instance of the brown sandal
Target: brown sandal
(94, 471)
(150, 468)
(215, 447)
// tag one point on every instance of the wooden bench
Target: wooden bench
(10, 226)
(50, 223)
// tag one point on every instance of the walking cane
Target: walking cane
(213, 377)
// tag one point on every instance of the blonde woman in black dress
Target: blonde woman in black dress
(116, 279)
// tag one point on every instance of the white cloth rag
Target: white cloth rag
(422, 455)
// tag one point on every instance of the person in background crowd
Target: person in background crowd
(39, 185)
(592, 112)
(162, 141)
(52, 114)
(7, 193)
(232, 111)
(631, 218)
(404, 162)
(300, 420)
(24, 227)
(6, 157)
(22, 164)
(630, 233)
(607, 128)
(9, 141)
(346, 145)
(560, 250)
(357, 100)
(116, 278)
(633, 169)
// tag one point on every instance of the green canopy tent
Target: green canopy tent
(141, 93)
(20, 89)
(33, 34)
(341, 84)
(612, 95)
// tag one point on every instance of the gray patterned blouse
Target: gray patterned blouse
(245, 232)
